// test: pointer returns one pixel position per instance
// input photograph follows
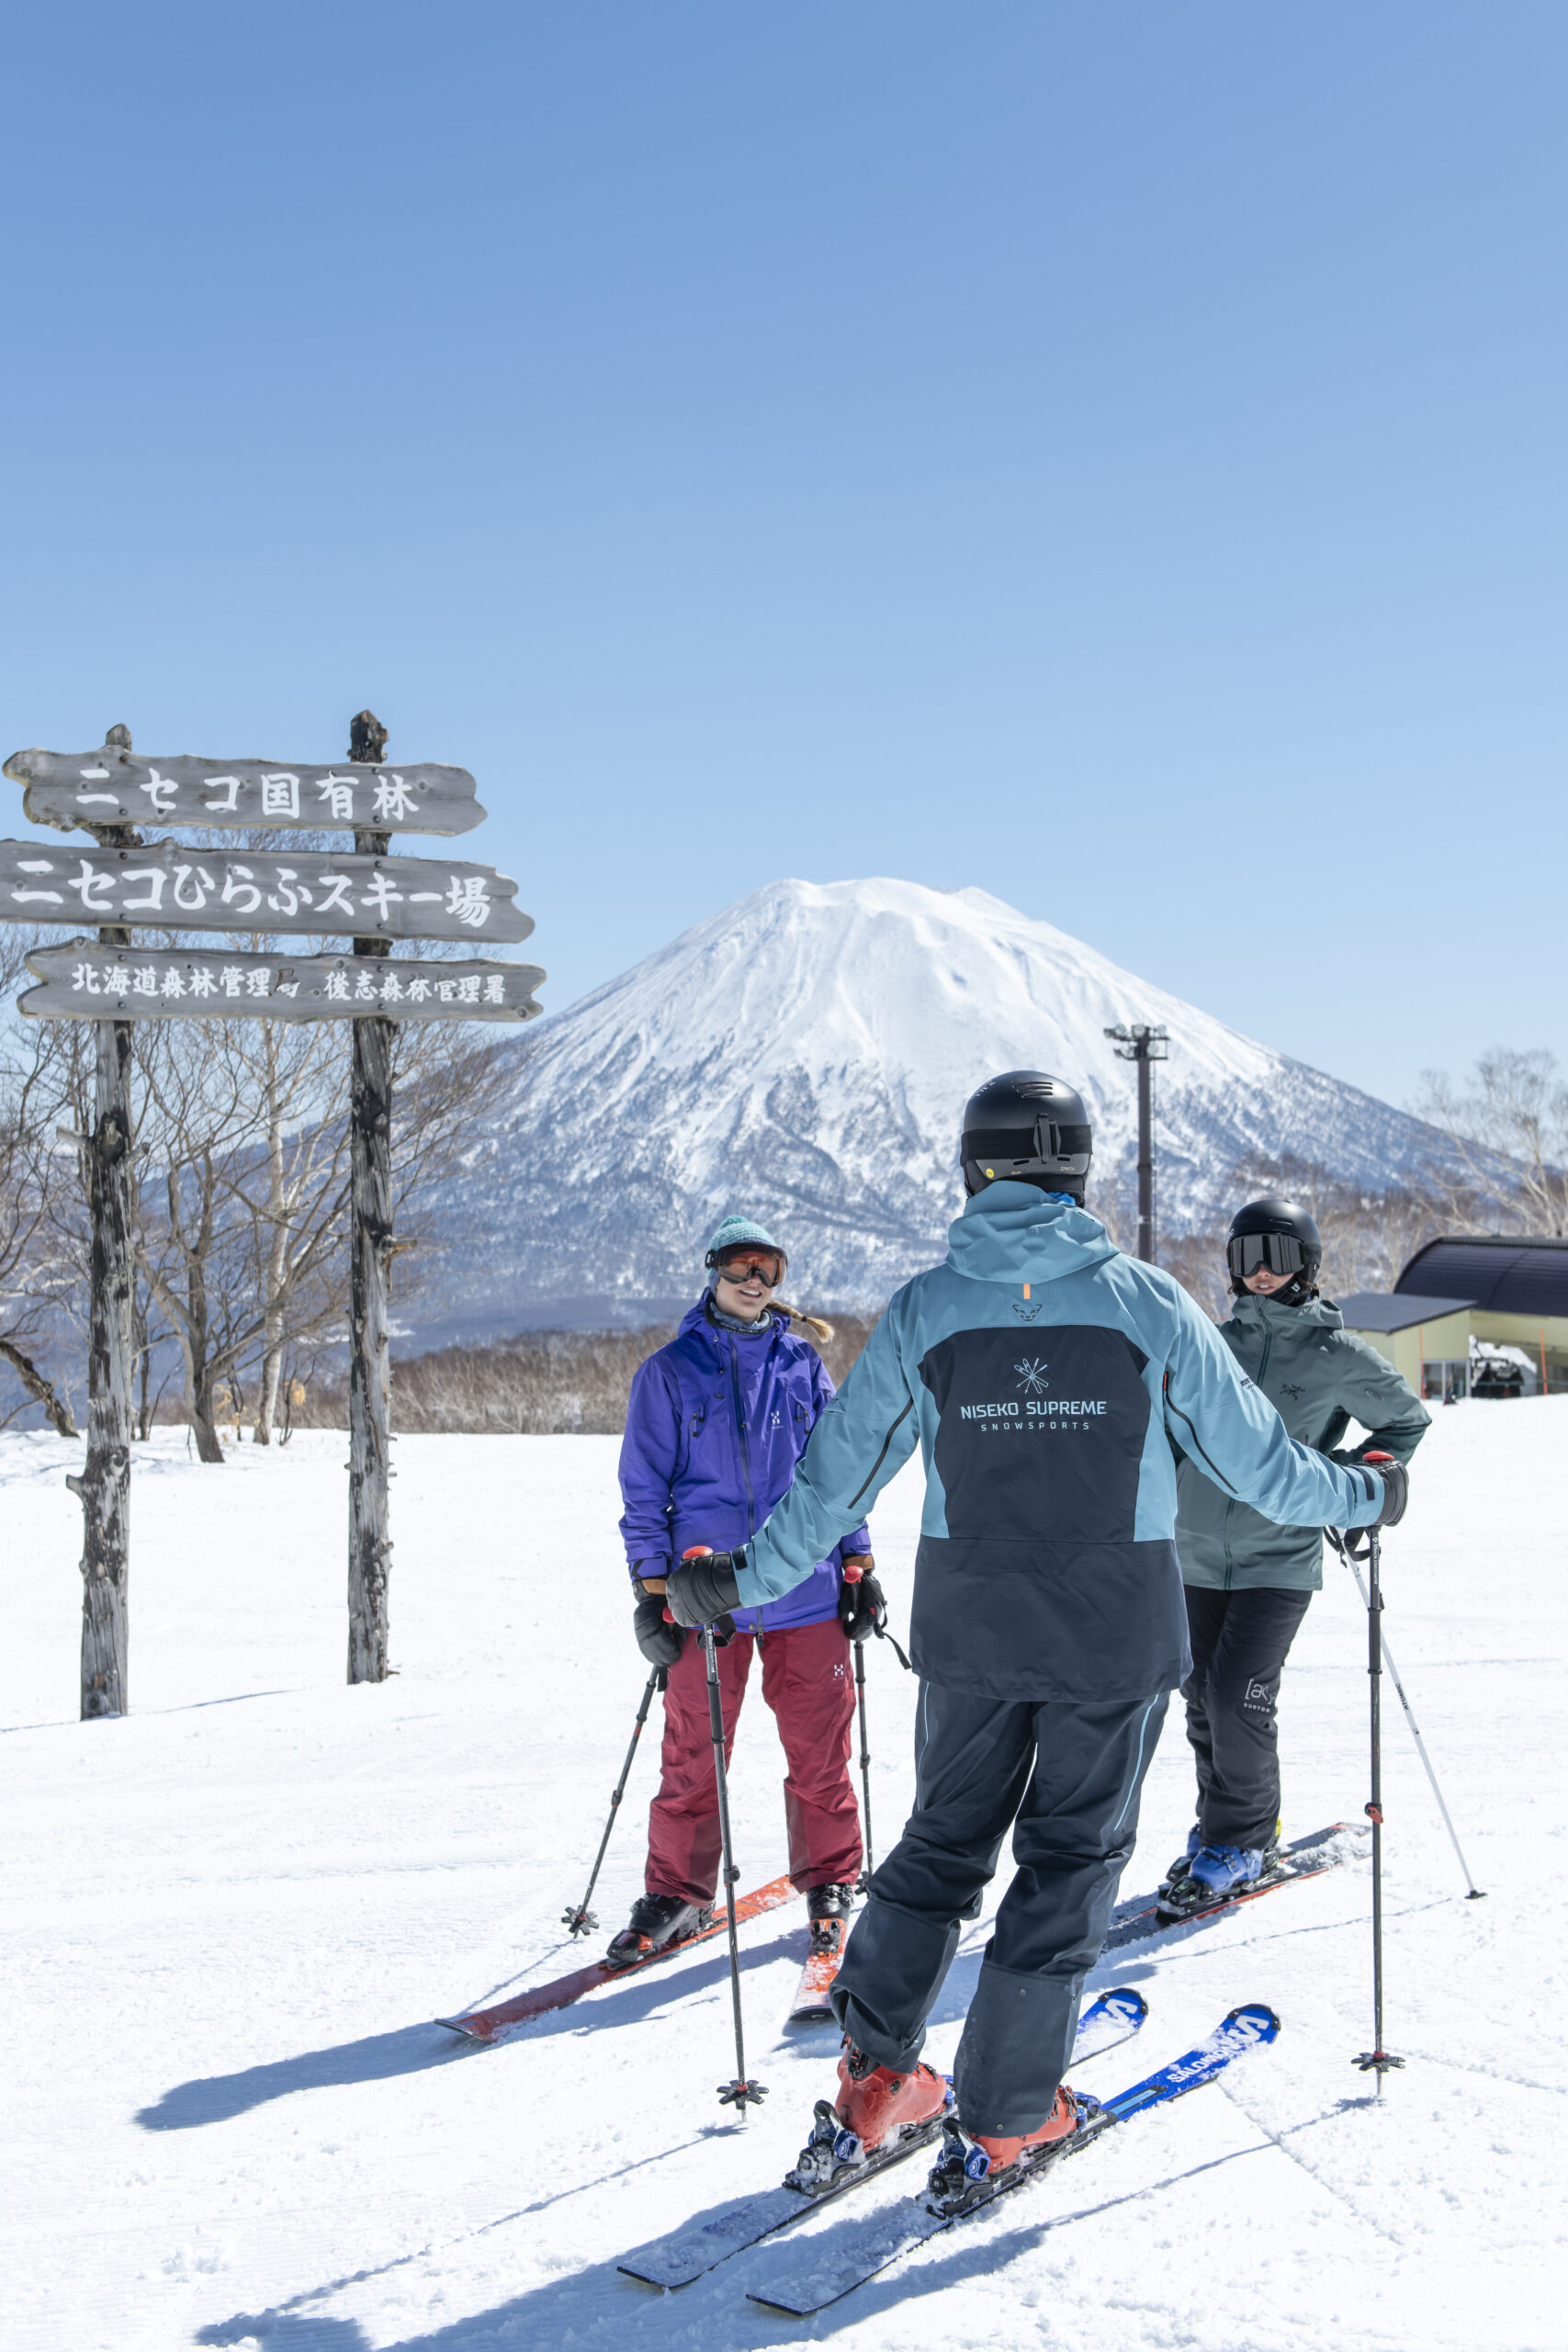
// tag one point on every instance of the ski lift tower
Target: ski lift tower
(1146, 1046)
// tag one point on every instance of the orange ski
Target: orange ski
(812, 2006)
(493, 2025)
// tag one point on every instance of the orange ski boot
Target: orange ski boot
(880, 2113)
(973, 2163)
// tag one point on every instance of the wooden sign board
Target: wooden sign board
(68, 789)
(85, 982)
(165, 887)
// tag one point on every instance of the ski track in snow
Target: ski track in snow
(231, 1918)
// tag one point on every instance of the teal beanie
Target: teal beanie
(737, 1231)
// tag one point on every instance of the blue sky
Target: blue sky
(1110, 455)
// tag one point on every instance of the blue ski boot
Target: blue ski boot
(1223, 1869)
(1179, 1869)
(1215, 1874)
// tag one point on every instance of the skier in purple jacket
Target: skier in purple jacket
(717, 1422)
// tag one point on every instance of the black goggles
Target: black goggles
(741, 1266)
(1280, 1252)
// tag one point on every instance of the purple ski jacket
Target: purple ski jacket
(715, 1425)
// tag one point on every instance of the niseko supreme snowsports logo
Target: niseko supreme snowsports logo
(1033, 1409)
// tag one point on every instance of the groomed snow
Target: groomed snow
(232, 1917)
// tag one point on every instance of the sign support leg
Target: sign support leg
(104, 1486)
(370, 1247)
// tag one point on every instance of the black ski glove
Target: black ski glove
(1395, 1487)
(703, 1589)
(863, 1607)
(658, 1641)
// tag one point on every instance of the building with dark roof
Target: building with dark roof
(1495, 1290)
(1501, 1273)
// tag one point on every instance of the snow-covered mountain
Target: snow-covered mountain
(804, 1057)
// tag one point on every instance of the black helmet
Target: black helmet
(1025, 1126)
(1280, 1235)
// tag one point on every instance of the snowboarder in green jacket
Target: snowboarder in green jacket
(1249, 1580)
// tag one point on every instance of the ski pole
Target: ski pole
(852, 1576)
(1376, 2060)
(855, 1576)
(582, 1921)
(870, 1863)
(735, 2094)
(1475, 1893)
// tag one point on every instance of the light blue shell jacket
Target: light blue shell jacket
(1038, 1369)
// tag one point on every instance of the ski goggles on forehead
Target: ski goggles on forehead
(741, 1266)
(1282, 1253)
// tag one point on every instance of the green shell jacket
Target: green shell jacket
(1319, 1378)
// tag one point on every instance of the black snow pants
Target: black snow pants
(1067, 1775)
(1240, 1642)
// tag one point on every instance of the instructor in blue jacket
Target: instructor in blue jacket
(1038, 1370)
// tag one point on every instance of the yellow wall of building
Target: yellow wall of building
(1446, 1335)
(1524, 1331)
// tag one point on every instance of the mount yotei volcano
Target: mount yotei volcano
(803, 1057)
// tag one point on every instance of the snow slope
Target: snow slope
(230, 1918)
(805, 1056)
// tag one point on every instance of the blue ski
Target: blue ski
(687, 2254)
(850, 2257)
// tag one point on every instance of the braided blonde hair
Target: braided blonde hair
(820, 1331)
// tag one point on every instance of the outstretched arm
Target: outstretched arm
(1227, 1429)
(865, 1433)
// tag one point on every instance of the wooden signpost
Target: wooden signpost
(85, 982)
(67, 789)
(165, 887)
(367, 895)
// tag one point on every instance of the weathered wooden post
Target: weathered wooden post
(104, 1486)
(368, 898)
(370, 1244)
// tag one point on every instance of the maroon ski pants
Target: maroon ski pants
(808, 1681)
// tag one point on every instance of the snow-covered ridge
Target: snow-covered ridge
(804, 1056)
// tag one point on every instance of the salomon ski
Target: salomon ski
(846, 2262)
(687, 2254)
(493, 2025)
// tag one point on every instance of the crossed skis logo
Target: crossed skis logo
(1032, 1377)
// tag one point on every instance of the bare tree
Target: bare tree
(35, 1273)
(1508, 1127)
(197, 1129)
(244, 1213)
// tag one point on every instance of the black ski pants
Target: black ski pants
(1067, 1775)
(1240, 1642)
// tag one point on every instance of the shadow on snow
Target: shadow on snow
(412, 2049)
(598, 2304)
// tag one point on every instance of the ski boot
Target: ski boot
(1179, 1867)
(657, 1920)
(878, 2109)
(827, 1909)
(973, 2166)
(1214, 1874)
